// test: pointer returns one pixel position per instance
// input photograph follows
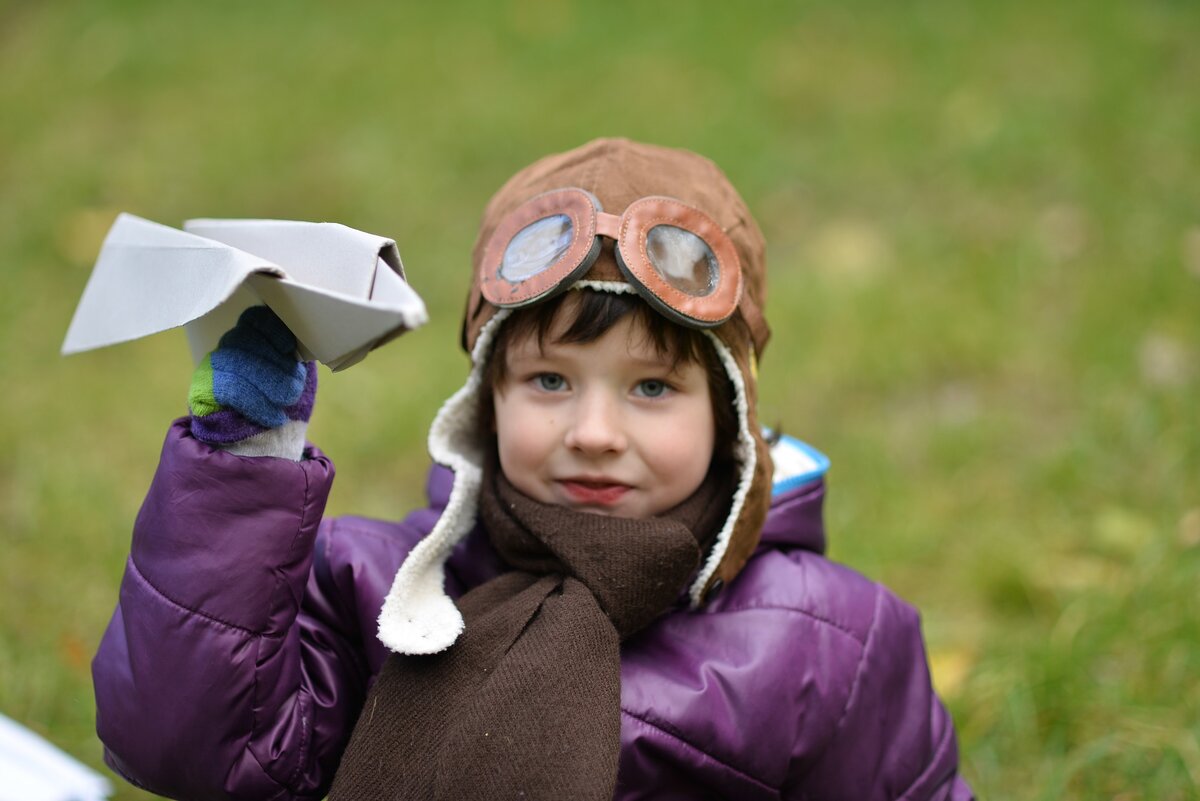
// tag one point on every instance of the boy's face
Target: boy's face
(606, 427)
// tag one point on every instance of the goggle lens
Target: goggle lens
(677, 257)
(536, 247)
(682, 259)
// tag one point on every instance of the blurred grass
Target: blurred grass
(985, 267)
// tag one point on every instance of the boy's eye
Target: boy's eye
(551, 382)
(652, 388)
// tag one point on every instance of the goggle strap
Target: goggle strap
(608, 225)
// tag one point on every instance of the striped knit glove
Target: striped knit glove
(251, 395)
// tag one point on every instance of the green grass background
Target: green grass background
(984, 227)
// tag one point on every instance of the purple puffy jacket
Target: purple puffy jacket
(240, 653)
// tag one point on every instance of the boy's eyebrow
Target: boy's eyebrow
(537, 355)
(534, 356)
(670, 364)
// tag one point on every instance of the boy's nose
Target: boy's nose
(596, 427)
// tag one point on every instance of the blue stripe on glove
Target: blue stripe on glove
(255, 370)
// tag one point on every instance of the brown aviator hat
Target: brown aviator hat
(619, 174)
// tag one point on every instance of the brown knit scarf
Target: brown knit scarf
(526, 705)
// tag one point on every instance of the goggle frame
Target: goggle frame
(629, 230)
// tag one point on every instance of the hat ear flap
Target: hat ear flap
(418, 617)
(740, 534)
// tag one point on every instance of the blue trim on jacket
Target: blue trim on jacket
(796, 463)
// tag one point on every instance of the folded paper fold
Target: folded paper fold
(342, 292)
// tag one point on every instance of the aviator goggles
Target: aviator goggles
(676, 257)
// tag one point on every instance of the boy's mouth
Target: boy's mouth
(597, 492)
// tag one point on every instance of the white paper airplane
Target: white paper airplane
(342, 292)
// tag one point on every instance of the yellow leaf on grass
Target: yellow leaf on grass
(950, 667)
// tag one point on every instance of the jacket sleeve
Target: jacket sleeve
(211, 682)
(894, 740)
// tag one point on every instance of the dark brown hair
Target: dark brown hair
(594, 313)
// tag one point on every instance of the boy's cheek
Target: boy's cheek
(524, 464)
(522, 440)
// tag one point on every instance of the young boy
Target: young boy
(639, 610)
